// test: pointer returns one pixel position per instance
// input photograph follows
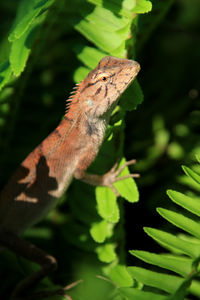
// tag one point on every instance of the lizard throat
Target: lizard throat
(95, 127)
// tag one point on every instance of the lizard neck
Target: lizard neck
(94, 127)
(85, 124)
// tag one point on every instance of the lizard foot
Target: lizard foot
(45, 294)
(112, 176)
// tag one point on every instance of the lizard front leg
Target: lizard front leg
(108, 178)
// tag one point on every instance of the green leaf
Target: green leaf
(20, 50)
(125, 8)
(135, 294)
(195, 288)
(170, 240)
(120, 276)
(127, 188)
(89, 56)
(181, 221)
(178, 264)
(192, 174)
(142, 6)
(28, 10)
(107, 204)
(80, 74)
(129, 4)
(119, 51)
(184, 244)
(106, 41)
(5, 73)
(164, 282)
(189, 182)
(106, 253)
(101, 230)
(121, 8)
(192, 204)
(106, 19)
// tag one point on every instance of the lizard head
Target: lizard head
(103, 86)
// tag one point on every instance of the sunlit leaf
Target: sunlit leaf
(179, 264)
(106, 253)
(20, 50)
(127, 7)
(142, 6)
(187, 224)
(101, 230)
(192, 174)
(107, 204)
(132, 293)
(127, 188)
(106, 19)
(89, 56)
(27, 12)
(120, 276)
(80, 74)
(170, 240)
(190, 203)
(106, 41)
(164, 282)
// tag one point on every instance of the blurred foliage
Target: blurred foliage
(48, 45)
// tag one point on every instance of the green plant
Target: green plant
(183, 259)
(53, 44)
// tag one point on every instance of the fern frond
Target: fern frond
(183, 261)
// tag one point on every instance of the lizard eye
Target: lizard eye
(103, 77)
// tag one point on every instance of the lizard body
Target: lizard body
(67, 152)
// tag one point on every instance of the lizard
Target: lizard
(45, 174)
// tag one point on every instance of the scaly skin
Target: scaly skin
(67, 152)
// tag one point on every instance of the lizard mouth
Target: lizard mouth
(135, 69)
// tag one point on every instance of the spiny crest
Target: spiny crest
(71, 97)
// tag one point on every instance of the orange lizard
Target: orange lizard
(67, 152)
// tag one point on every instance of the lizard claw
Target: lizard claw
(112, 176)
